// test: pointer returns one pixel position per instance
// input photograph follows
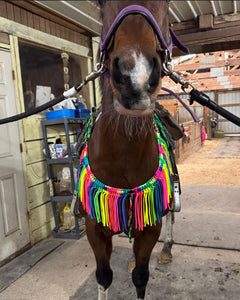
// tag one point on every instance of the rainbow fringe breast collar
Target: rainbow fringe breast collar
(114, 207)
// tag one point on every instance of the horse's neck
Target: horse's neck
(115, 157)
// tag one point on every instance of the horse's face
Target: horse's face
(135, 64)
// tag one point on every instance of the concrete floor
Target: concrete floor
(205, 266)
(206, 259)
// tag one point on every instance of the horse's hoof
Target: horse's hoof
(164, 258)
(131, 266)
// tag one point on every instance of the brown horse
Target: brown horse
(123, 148)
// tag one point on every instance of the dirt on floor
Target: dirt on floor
(205, 168)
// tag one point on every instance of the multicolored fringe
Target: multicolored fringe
(117, 208)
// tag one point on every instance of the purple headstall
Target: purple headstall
(140, 10)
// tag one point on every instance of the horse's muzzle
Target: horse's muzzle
(135, 79)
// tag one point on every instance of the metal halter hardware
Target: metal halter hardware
(168, 69)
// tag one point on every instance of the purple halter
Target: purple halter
(140, 10)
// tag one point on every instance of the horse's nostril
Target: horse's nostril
(116, 62)
(116, 73)
(155, 75)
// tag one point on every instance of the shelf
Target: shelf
(63, 120)
(61, 198)
(63, 160)
(73, 234)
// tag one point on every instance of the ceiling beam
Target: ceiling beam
(192, 9)
(213, 8)
(204, 65)
(234, 6)
(174, 15)
(224, 35)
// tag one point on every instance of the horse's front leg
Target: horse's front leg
(101, 243)
(166, 255)
(143, 246)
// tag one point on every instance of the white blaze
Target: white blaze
(141, 72)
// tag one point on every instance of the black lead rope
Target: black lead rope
(195, 95)
(204, 100)
(32, 111)
(99, 69)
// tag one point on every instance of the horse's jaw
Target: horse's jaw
(144, 108)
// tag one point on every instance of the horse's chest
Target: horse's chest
(126, 166)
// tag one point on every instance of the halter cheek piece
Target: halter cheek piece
(140, 10)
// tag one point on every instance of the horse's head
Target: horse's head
(134, 59)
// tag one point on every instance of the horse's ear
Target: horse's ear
(102, 2)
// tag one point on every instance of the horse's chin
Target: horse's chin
(140, 111)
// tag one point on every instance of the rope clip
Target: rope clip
(168, 69)
(100, 68)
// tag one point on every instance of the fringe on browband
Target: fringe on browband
(115, 207)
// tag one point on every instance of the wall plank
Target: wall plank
(36, 22)
(185, 149)
(17, 15)
(30, 19)
(34, 151)
(10, 14)
(32, 128)
(24, 19)
(42, 232)
(36, 173)
(38, 195)
(3, 9)
(41, 216)
(42, 24)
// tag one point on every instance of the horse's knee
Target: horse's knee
(140, 279)
(104, 276)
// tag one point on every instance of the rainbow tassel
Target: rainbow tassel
(147, 203)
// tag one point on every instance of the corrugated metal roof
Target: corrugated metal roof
(187, 10)
(86, 13)
(203, 26)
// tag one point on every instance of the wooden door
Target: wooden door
(14, 232)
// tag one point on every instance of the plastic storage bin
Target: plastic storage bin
(58, 114)
(83, 113)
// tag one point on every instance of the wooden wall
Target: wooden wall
(67, 36)
(36, 180)
(41, 219)
(33, 16)
(183, 148)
